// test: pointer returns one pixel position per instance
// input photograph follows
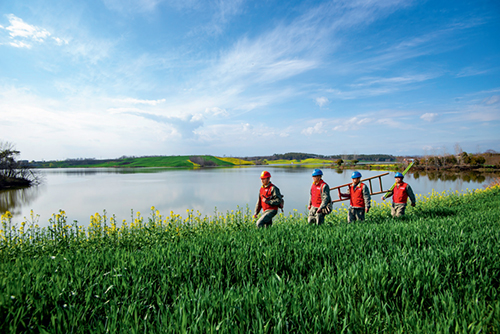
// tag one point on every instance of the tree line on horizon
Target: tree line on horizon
(489, 158)
(303, 156)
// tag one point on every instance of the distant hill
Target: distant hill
(155, 161)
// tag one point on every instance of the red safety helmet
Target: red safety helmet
(265, 174)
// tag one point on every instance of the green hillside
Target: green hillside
(159, 161)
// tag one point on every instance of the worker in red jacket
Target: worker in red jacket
(360, 199)
(269, 201)
(320, 202)
(400, 194)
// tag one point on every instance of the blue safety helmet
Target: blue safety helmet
(355, 175)
(317, 172)
(398, 174)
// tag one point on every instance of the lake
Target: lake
(83, 192)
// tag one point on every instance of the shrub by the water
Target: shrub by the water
(435, 270)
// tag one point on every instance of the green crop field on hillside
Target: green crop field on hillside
(160, 161)
(171, 161)
(436, 270)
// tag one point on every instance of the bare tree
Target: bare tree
(344, 156)
(13, 172)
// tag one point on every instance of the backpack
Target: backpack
(329, 207)
(282, 203)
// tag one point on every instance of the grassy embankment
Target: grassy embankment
(386, 167)
(236, 161)
(436, 270)
(160, 161)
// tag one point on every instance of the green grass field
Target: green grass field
(172, 161)
(161, 161)
(437, 270)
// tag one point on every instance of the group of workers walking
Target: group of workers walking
(320, 203)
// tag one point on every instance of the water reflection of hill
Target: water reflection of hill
(468, 176)
(112, 170)
(14, 199)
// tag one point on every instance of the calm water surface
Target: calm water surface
(83, 192)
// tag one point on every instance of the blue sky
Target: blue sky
(241, 78)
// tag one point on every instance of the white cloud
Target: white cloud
(291, 49)
(23, 34)
(239, 136)
(216, 111)
(435, 41)
(91, 49)
(138, 101)
(481, 113)
(492, 100)
(377, 86)
(19, 44)
(183, 126)
(392, 122)
(60, 41)
(224, 11)
(363, 93)
(318, 128)
(400, 80)
(215, 17)
(260, 61)
(322, 101)
(352, 123)
(132, 6)
(471, 71)
(19, 28)
(429, 117)
(86, 128)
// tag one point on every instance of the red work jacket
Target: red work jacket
(316, 193)
(400, 195)
(266, 193)
(357, 199)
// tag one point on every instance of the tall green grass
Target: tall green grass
(436, 270)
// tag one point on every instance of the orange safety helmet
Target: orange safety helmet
(265, 174)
